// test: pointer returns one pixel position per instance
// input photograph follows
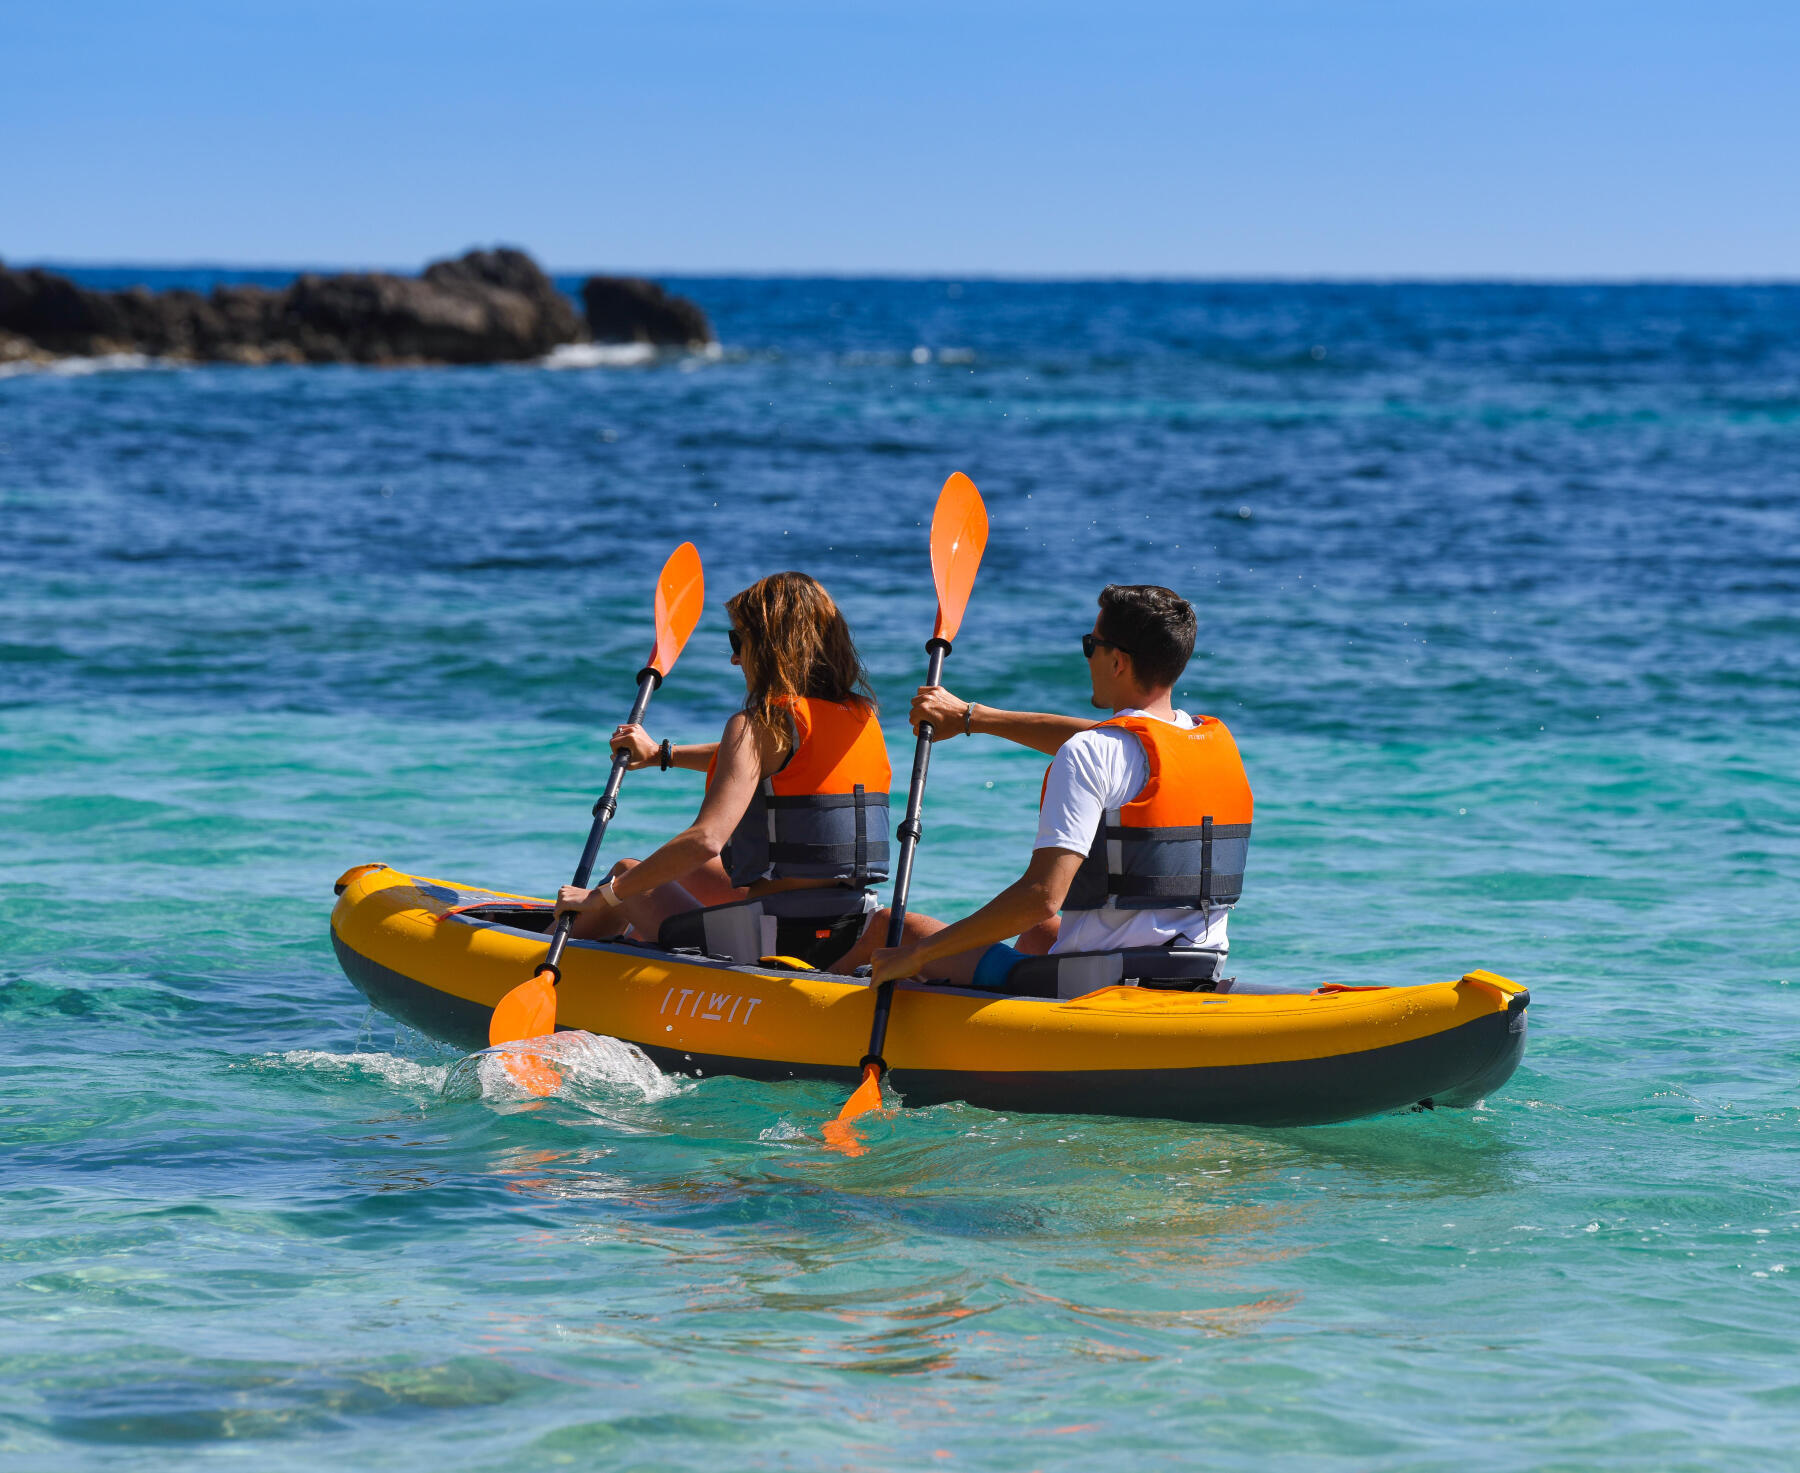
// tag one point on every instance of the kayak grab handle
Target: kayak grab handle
(350, 876)
(1501, 989)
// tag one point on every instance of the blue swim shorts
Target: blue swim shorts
(996, 966)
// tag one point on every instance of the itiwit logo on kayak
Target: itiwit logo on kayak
(708, 1007)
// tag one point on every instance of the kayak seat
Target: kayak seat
(817, 927)
(1067, 974)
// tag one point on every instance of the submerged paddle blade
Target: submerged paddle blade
(959, 530)
(534, 1076)
(680, 596)
(867, 1099)
(528, 1011)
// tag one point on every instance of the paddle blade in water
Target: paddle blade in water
(959, 530)
(680, 596)
(533, 1075)
(838, 1133)
(528, 1011)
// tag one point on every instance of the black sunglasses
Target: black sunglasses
(737, 641)
(1092, 642)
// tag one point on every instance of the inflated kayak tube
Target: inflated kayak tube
(439, 955)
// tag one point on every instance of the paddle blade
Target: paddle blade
(867, 1099)
(528, 1011)
(959, 530)
(535, 1076)
(680, 596)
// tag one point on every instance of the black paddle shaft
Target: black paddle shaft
(911, 831)
(648, 680)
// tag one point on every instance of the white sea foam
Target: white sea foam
(895, 357)
(590, 1064)
(81, 367)
(784, 1130)
(599, 355)
(106, 363)
(401, 1073)
(625, 355)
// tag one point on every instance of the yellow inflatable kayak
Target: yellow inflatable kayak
(440, 955)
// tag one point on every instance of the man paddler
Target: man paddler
(1143, 830)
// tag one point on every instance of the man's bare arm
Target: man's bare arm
(1031, 899)
(948, 713)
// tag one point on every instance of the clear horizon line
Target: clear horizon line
(1047, 278)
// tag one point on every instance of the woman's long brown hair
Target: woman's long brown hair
(795, 643)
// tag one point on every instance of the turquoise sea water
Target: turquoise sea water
(1501, 594)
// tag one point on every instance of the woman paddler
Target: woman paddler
(793, 831)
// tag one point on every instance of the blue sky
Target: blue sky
(1366, 138)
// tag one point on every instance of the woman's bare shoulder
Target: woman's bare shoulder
(741, 734)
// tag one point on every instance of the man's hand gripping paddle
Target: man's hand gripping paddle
(529, 1010)
(959, 529)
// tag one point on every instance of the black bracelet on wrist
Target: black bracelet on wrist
(667, 753)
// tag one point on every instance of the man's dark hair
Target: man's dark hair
(1155, 626)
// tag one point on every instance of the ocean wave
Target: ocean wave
(598, 355)
(900, 357)
(621, 355)
(401, 1073)
(568, 356)
(82, 367)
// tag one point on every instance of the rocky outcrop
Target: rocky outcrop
(628, 309)
(485, 307)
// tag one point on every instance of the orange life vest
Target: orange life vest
(1182, 842)
(824, 815)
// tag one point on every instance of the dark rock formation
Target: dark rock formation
(486, 307)
(628, 309)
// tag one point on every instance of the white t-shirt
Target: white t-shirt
(1094, 771)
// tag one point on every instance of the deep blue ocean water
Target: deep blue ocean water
(1500, 591)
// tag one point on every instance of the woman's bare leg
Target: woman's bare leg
(918, 927)
(644, 914)
(710, 885)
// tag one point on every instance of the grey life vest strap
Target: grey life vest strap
(1195, 867)
(861, 874)
(830, 836)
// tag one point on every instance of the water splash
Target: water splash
(591, 1064)
(404, 1074)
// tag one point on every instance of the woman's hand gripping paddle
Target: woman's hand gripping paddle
(959, 529)
(529, 1010)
